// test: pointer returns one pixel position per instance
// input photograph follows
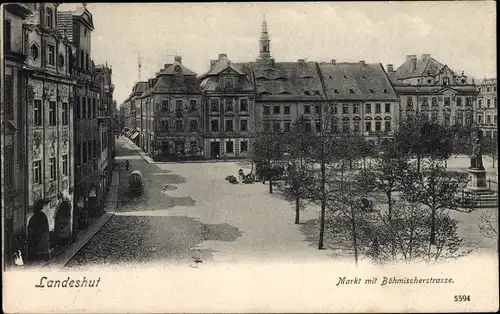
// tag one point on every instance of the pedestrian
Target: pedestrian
(225, 157)
(127, 164)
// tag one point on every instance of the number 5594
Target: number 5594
(461, 298)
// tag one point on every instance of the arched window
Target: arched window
(49, 18)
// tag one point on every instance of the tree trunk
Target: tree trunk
(354, 235)
(418, 163)
(433, 227)
(364, 163)
(389, 203)
(323, 207)
(297, 209)
(270, 185)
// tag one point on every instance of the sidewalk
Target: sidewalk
(84, 236)
(149, 160)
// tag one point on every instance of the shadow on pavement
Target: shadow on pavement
(338, 247)
(148, 239)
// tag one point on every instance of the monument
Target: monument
(477, 187)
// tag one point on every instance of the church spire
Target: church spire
(264, 43)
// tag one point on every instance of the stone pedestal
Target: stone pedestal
(477, 181)
(477, 190)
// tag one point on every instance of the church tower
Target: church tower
(264, 43)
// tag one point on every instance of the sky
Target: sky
(461, 35)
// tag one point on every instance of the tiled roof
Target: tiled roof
(167, 82)
(139, 88)
(222, 64)
(171, 69)
(356, 81)
(65, 24)
(209, 80)
(423, 67)
(285, 80)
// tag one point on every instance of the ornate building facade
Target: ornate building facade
(173, 104)
(229, 115)
(487, 107)
(50, 134)
(427, 86)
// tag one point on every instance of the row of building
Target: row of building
(218, 113)
(57, 140)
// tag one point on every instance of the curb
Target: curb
(59, 262)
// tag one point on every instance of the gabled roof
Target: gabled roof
(285, 80)
(418, 67)
(356, 81)
(171, 69)
(139, 88)
(221, 65)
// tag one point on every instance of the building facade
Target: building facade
(173, 116)
(50, 133)
(13, 132)
(103, 75)
(78, 27)
(487, 107)
(426, 86)
(229, 115)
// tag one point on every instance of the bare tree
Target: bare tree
(490, 148)
(488, 225)
(266, 150)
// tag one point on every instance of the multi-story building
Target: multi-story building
(49, 132)
(78, 26)
(427, 86)
(173, 102)
(136, 111)
(361, 99)
(228, 97)
(125, 115)
(487, 107)
(103, 79)
(13, 132)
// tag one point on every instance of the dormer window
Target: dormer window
(228, 82)
(49, 18)
(351, 91)
(372, 91)
(307, 93)
(317, 93)
(345, 77)
(385, 91)
(336, 91)
(446, 81)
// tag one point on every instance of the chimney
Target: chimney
(425, 56)
(212, 63)
(362, 62)
(390, 68)
(178, 59)
(333, 61)
(167, 65)
(301, 60)
(221, 55)
(411, 57)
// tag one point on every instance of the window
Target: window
(193, 125)
(64, 113)
(468, 119)
(87, 61)
(243, 146)
(446, 81)
(37, 112)
(94, 106)
(214, 105)
(179, 126)
(229, 126)
(193, 146)
(52, 113)
(9, 99)
(409, 103)
(228, 82)
(164, 125)
(488, 119)
(447, 101)
(230, 147)
(434, 101)
(243, 104)
(229, 104)
(49, 18)
(385, 91)
(468, 102)
(459, 101)
(387, 126)
(84, 152)
(488, 103)
(276, 109)
(377, 108)
(37, 172)
(495, 119)
(34, 52)
(307, 126)
(7, 35)
(9, 167)
(52, 165)
(287, 109)
(317, 109)
(243, 125)
(355, 108)
(214, 124)
(193, 104)
(345, 109)
(178, 104)
(335, 126)
(351, 91)
(61, 61)
(378, 126)
(356, 126)
(335, 109)
(287, 126)
(82, 59)
(84, 107)
(318, 126)
(78, 108)
(387, 108)
(372, 91)
(267, 110)
(488, 89)
(345, 126)
(459, 118)
(307, 109)
(446, 119)
(51, 51)
(276, 126)
(164, 105)
(425, 102)
(479, 119)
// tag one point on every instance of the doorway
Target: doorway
(214, 149)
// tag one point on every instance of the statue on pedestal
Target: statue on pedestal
(476, 160)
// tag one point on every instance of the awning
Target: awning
(134, 135)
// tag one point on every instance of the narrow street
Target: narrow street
(189, 211)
